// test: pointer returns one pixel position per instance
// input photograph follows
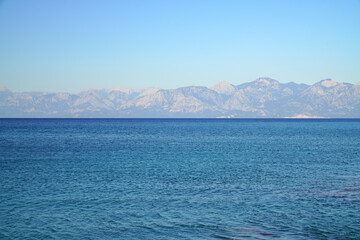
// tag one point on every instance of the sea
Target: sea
(179, 179)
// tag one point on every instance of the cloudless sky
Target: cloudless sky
(70, 45)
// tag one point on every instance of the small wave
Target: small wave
(257, 233)
(247, 233)
(352, 190)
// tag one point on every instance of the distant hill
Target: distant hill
(264, 98)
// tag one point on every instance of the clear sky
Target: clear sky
(70, 45)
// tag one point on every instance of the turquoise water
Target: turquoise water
(179, 179)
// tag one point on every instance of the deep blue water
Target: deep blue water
(179, 179)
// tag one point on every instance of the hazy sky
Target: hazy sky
(70, 45)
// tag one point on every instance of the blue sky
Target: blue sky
(72, 45)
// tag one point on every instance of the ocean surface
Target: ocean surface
(179, 179)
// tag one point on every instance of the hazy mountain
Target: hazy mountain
(264, 97)
(3, 88)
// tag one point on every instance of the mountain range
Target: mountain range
(262, 98)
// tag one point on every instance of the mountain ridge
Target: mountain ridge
(263, 98)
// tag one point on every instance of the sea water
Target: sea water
(179, 179)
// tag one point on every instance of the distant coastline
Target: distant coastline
(262, 98)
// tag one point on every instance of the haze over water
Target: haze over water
(179, 179)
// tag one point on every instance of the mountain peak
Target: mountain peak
(3, 88)
(121, 89)
(266, 81)
(92, 89)
(224, 87)
(328, 83)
